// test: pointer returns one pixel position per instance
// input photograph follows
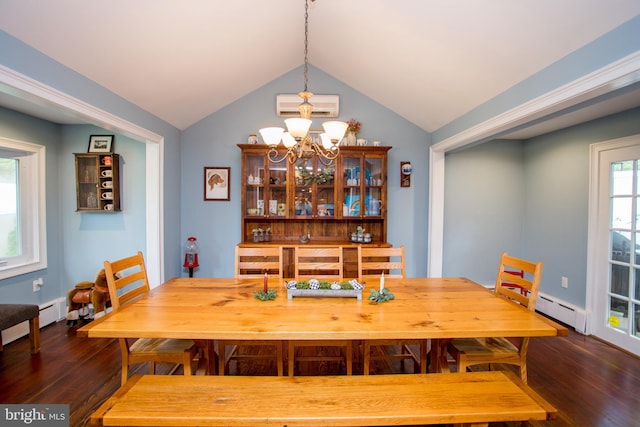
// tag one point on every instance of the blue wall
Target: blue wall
(529, 198)
(213, 142)
(28, 129)
(484, 208)
(90, 238)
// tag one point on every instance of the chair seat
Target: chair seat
(161, 345)
(480, 347)
(396, 350)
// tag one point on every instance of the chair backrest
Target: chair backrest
(253, 262)
(318, 262)
(373, 261)
(126, 279)
(519, 273)
(526, 291)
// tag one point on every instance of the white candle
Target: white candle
(382, 282)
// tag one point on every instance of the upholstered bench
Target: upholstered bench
(13, 314)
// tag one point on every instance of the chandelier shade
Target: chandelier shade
(335, 130)
(297, 127)
(272, 135)
(288, 140)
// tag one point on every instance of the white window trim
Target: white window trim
(33, 216)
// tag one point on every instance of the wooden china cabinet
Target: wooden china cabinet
(326, 203)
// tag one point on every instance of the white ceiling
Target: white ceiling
(430, 61)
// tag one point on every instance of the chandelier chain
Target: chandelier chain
(306, 44)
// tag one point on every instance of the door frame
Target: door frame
(594, 243)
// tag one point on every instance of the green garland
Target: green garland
(271, 294)
(381, 296)
(323, 284)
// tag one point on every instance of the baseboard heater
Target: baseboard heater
(562, 311)
(50, 312)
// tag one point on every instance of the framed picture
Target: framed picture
(216, 183)
(101, 143)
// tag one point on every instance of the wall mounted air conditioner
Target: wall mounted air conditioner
(323, 105)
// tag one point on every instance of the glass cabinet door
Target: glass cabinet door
(254, 184)
(87, 178)
(373, 186)
(325, 194)
(363, 185)
(277, 189)
(351, 177)
(314, 188)
(303, 195)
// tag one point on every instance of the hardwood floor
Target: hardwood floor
(590, 382)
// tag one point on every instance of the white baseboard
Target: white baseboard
(50, 312)
(562, 311)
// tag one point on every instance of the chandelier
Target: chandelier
(296, 140)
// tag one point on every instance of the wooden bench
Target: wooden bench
(14, 314)
(474, 398)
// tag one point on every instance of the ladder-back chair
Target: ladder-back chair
(476, 351)
(253, 263)
(372, 262)
(322, 263)
(319, 262)
(127, 281)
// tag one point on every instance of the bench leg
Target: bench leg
(34, 335)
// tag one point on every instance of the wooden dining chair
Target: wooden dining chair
(477, 351)
(319, 262)
(253, 263)
(322, 263)
(372, 262)
(127, 281)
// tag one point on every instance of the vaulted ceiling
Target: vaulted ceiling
(430, 61)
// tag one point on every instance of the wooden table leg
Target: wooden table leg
(213, 359)
(438, 356)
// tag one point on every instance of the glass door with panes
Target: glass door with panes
(617, 286)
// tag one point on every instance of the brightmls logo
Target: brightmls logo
(36, 415)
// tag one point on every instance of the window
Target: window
(22, 208)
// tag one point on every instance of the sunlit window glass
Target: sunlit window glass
(9, 236)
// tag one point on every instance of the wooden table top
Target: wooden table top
(216, 308)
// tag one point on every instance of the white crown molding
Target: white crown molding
(38, 92)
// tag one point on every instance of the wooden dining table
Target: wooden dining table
(227, 309)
